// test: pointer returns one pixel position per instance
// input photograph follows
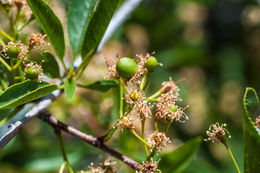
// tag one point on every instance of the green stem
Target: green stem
(158, 93)
(24, 25)
(143, 81)
(141, 139)
(18, 64)
(151, 100)
(121, 111)
(231, 155)
(151, 154)
(109, 134)
(64, 155)
(148, 77)
(156, 126)
(6, 35)
(143, 136)
(167, 126)
(5, 64)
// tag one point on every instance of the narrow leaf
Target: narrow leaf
(24, 92)
(251, 135)
(79, 13)
(178, 160)
(49, 65)
(98, 25)
(50, 24)
(102, 85)
(70, 87)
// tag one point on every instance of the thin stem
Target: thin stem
(167, 126)
(156, 126)
(151, 100)
(18, 64)
(62, 167)
(6, 35)
(151, 154)
(143, 81)
(121, 111)
(64, 155)
(148, 77)
(232, 157)
(143, 136)
(5, 64)
(155, 95)
(109, 134)
(24, 25)
(141, 139)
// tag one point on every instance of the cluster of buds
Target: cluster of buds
(107, 166)
(15, 50)
(158, 140)
(148, 167)
(36, 40)
(217, 132)
(126, 122)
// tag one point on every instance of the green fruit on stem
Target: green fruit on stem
(13, 52)
(151, 63)
(32, 73)
(134, 96)
(173, 108)
(126, 67)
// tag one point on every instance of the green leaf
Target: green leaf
(70, 87)
(178, 160)
(50, 24)
(98, 25)
(102, 85)
(79, 14)
(251, 135)
(24, 92)
(49, 65)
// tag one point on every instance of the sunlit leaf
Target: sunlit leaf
(102, 85)
(70, 87)
(24, 92)
(50, 24)
(251, 135)
(178, 160)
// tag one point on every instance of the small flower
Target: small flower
(158, 140)
(37, 40)
(170, 86)
(111, 63)
(217, 133)
(126, 122)
(148, 167)
(257, 122)
(34, 65)
(109, 165)
(96, 169)
(134, 97)
(22, 48)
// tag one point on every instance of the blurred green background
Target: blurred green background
(213, 44)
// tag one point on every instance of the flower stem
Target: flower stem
(5, 64)
(64, 155)
(232, 157)
(109, 134)
(141, 139)
(6, 35)
(121, 111)
(156, 126)
(155, 94)
(145, 147)
(151, 154)
(148, 77)
(167, 126)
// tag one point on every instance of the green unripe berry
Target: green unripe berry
(32, 73)
(173, 108)
(13, 52)
(126, 67)
(134, 96)
(151, 63)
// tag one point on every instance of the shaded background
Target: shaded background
(213, 44)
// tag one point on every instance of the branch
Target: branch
(94, 141)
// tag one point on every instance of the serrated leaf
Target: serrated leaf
(70, 87)
(79, 14)
(24, 92)
(251, 135)
(49, 65)
(102, 85)
(178, 160)
(98, 25)
(50, 24)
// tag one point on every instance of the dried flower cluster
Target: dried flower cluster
(149, 167)
(126, 122)
(108, 166)
(158, 140)
(217, 133)
(37, 40)
(22, 47)
(167, 109)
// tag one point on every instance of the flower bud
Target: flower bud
(126, 67)
(134, 96)
(32, 73)
(13, 52)
(151, 63)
